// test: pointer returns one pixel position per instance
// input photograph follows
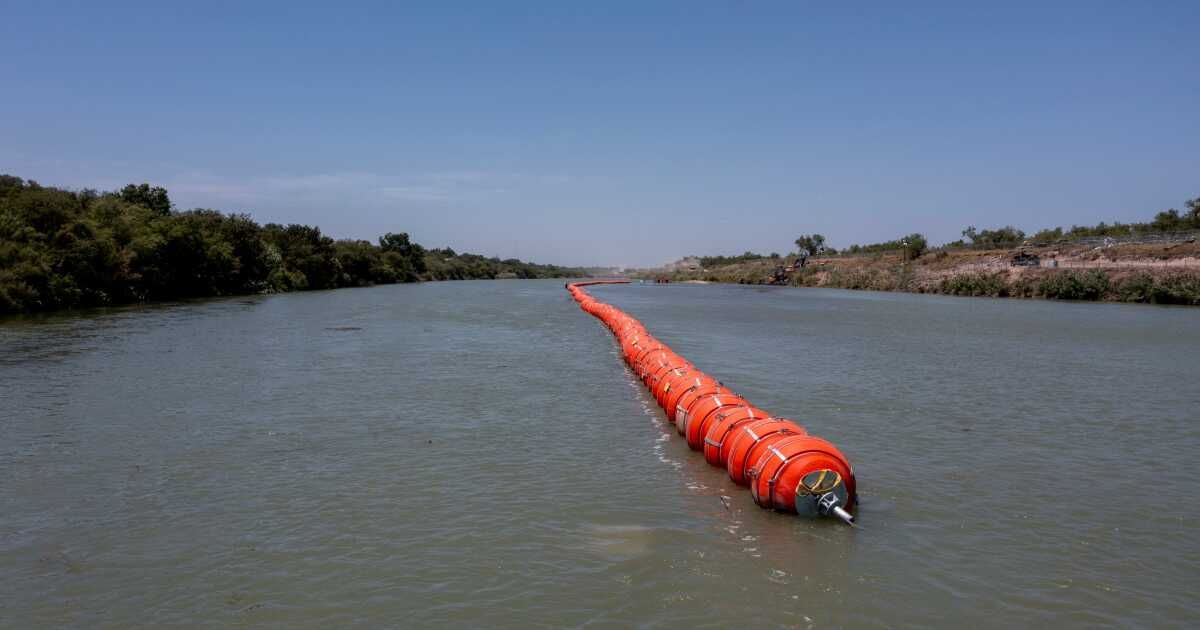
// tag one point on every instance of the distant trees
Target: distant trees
(809, 245)
(405, 257)
(1173, 220)
(911, 246)
(1047, 235)
(154, 198)
(999, 238)
(445, 264)
(1170, 220)
(813, 243)
(1008, 237)
(708, 262)
(62, 249)
(309, 258)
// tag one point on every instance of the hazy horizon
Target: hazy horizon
(615, 134)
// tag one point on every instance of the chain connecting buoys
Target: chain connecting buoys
(786, 468)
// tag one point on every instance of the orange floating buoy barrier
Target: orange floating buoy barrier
(786, 468)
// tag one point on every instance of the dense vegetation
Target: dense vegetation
(64, 249)
(719, 261)
(1092, 284)
(911, 246)
(813, 244)
(1170, 220)
(1007, 237)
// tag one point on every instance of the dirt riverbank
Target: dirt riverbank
(1163, 273)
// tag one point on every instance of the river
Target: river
(476, 454)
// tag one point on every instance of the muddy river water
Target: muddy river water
(476, 454)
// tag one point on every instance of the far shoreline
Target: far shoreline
(1129, 273)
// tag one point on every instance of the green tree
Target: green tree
(256, 260)
(62, 249)
(999, 238)
(811, 242)
(913, 246)
(307, 255)
(145, 195)
(400, 244)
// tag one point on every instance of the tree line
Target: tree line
(914, 245)
(64, 249)
(720, 261)
(1009, 237)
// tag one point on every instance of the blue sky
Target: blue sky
(612, 132)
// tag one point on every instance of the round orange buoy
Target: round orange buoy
(699, 379)
(646, 350)
(658, 365)
(750, 439)
(666, 363)
(701, 414)
(716, 439)
(670, 381)
(795, 473)
(689, 399)
(645, 360)
(787, 469)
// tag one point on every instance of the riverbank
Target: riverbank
(64, 249)
(1154, 273)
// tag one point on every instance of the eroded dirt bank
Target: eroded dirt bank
(1162, 273)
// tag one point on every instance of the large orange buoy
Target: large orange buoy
(689, 400)
(786, 469)
(749, 441)
(672, 380)
(716, 441)
(658, 371)
(793, 474)
(700, 416)
(671, 404)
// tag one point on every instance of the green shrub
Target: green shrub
(1180, 288)
(1136, 288)
(976, 284)
(1072, 285)
(1177, 288)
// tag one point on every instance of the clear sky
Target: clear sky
(615, 132)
